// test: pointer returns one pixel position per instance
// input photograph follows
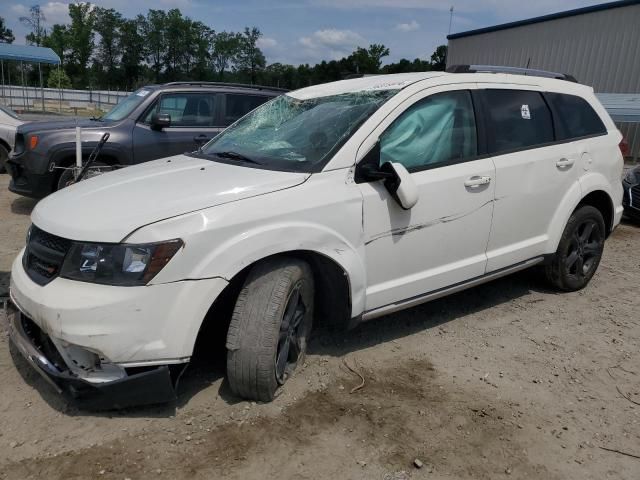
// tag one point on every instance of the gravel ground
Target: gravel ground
(507, 380)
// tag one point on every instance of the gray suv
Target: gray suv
(153, 122)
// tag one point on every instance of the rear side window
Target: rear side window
(518, 120)
(576, 118)
(238, 106)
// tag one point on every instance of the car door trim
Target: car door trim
(442, 292)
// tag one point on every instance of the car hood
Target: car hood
(107, 208)
(37, 127)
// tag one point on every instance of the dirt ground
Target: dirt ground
(508, 380)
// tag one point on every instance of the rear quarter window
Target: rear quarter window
(575, 117)
(517, 120)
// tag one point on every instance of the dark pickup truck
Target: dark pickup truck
(153, 122)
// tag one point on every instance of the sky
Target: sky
(308, 31)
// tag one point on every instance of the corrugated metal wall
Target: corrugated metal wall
(601, 49)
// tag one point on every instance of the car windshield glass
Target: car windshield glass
(9, 112)
(293, 134)
(126, 106)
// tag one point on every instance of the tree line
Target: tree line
(100, 48)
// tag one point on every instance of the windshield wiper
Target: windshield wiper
(235, 156)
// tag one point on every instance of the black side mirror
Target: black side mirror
(160, 121)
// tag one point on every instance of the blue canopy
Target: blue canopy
(28, 53)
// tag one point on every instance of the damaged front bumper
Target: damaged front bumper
(138, 387)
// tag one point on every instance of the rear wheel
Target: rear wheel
(4, 156)
(579, 251)
(269, 327)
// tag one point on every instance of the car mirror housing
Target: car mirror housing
(160, 121)
(400, 184)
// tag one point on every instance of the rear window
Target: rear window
(576, 118)
(518, 120)
(237, 106)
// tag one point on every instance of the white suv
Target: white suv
(344, 201)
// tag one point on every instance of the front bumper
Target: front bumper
(148, 387)
(29, 183)
(129, 326)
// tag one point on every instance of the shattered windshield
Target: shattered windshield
(293, 134)
(126, 106)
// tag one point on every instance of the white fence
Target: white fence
(52, 99)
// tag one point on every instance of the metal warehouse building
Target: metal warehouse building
(599, 45)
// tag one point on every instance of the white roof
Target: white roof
(395, 81)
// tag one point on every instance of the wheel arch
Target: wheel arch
(600, 200)
(332, 296)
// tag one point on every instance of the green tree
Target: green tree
(131, 44)
(6, 35)
(200, 41)
(176, 39)
(226, 47)
(439, 58)
(154, 28)
(35, 21)
(58, 41)
(250, 59)
(107, 24)
(58, 79)
(81, 43)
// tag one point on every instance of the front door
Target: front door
(442, 240)
(194, 121)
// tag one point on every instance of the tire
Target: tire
(269, 328)
(579, 251)
(66, 177)
(4, 156)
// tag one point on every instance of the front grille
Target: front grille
(44, 255)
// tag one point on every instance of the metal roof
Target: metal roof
(545, 18)
(28, 53)
(622, 107)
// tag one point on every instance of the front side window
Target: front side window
(518, 119)
(438, 130)
(185, 109)
(293, 134)
(576, 118)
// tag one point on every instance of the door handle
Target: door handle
(565, 163)
(477, 181)
(201, 138)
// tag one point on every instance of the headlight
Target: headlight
(117, 264)
(631, 178)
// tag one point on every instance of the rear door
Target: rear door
(195, 119)
(534, 172)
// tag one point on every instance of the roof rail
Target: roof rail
(512, 70)
(225, 84)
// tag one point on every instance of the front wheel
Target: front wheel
(67, 178)
(269, 327)
(579, 251)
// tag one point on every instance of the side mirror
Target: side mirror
(160, 121)
(397, 180)
(400, 184)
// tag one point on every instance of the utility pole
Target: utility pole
(446, 52)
